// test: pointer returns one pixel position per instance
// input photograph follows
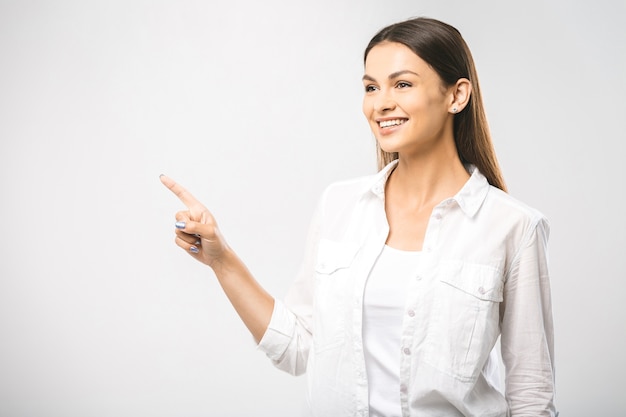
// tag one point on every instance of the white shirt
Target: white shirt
(383, 312)
(483, 273)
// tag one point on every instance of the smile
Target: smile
(390, 123)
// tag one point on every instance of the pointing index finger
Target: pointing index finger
(182, 194)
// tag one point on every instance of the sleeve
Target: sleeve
(527, 328)
(287, 340)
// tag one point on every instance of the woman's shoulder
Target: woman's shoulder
(347, 192)
(354, 184)
(514, 209)
(372, 184)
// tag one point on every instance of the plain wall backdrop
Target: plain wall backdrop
(255, 107)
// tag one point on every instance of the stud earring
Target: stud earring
(454, 109)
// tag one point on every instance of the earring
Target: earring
(453, 109)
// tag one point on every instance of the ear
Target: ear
(460, 94)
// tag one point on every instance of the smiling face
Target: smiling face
(405, 102)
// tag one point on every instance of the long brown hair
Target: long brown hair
(443, 48)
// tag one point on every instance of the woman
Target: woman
(413, 274)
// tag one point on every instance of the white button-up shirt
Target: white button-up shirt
(483, 275)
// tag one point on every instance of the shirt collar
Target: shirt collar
(380, 179)
(473, 193)
(469, 198)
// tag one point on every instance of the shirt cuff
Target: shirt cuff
(279, 332)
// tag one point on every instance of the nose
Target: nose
(384, 102)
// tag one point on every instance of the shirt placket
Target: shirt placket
(372, 245)
(411, 336)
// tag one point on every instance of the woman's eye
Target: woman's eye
(370, 88)
(403, 84)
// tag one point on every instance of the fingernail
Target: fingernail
(161, 175)
(197, 242)
(193, 249)
(180, 225)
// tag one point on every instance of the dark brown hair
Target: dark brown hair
(443, 48)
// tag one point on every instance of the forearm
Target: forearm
(253, 304)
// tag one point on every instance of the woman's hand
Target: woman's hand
(197, 233)
(196, 229)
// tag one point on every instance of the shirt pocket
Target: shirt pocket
(464, 325)
(333, 290)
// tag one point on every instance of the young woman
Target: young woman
(412, 275)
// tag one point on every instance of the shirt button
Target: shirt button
(403, 389)
(406, 351)
(418, 277)
(481, 290)
(437, 216)
(411, 313)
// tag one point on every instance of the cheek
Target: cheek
(369, 105)
(366, 107)
(424, 105)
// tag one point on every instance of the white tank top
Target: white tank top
(383, 307)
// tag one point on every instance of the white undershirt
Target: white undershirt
(383, 307)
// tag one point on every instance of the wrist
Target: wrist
(226, 263)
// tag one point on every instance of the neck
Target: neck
(426, 180)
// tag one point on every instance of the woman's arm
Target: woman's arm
(197, 233)
(527, 329)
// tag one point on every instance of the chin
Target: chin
(387, 147)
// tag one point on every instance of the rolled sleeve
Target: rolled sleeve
(288, 337)
(279, 332)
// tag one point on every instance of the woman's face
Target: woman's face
(405, 101)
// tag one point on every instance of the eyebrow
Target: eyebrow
(392, 75)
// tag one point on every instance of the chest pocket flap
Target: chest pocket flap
(481, 281)
(333, 256)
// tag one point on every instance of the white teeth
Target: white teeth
(388, 123)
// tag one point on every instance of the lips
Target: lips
(390, 123)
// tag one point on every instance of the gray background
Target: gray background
(255, 107)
